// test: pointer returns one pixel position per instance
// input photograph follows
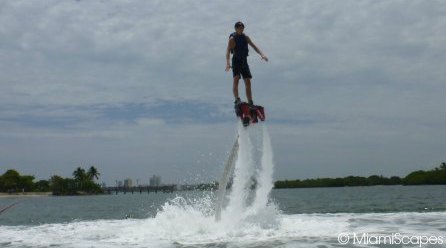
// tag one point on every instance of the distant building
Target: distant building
(155, 180)
(128, 183)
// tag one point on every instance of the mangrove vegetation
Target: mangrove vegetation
(420, 177)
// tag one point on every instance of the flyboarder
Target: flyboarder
(238, 46)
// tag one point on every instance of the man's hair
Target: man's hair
(239, 24)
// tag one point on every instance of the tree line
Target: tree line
(420, 177)
(83, 182)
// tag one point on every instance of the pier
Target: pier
(141, 189)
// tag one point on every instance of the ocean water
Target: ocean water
(302, 218)
(395, 216)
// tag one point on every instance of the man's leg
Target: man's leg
(237, 101)
(235, 87)
(248, 89)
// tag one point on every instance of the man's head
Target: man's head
(239, 27)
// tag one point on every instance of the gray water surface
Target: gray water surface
(375, 199)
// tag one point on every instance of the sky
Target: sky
(138, 88)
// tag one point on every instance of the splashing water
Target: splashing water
(245, 204)
(246, 208)
(248, 213)
(265, 178)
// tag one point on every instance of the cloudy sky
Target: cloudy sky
(138, 88)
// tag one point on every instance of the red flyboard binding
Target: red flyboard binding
(249, 113)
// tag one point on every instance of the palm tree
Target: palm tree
(443, 166)
(79, 174)
(93, 173)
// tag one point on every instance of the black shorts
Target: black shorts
(240, 67)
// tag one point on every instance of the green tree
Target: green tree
(42, 186)
(79, 174)
(26, 183)
(10, 180)
(62, 186)
(355, 181)
(374, 180)
(395, 180)
(435, 176)
(93, 173)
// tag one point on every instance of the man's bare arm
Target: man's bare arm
(231, 45)
(256, 48)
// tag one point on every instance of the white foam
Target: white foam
(187, 222)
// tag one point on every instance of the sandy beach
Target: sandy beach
(24, 194)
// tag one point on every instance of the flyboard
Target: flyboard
(248, 114)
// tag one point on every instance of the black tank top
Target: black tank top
(240, 50)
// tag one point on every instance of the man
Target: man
(238, 46)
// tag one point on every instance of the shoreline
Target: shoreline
(25, 194)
